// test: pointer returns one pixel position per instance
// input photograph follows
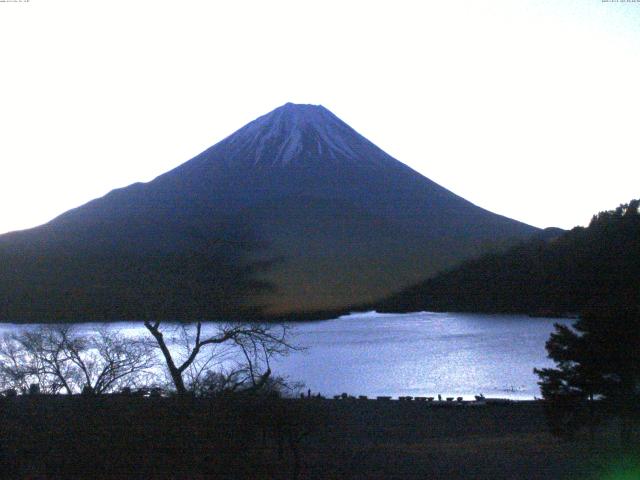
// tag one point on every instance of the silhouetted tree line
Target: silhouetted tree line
(52, 360)
(176, 358)
(196, 396)
(581, 268)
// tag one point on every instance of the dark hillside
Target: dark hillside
(580, 268)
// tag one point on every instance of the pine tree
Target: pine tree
(597, 360)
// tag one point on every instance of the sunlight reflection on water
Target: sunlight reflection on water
(417, 354)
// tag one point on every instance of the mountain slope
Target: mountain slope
(582, 268)
(294, 212)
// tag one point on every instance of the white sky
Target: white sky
(527, 108)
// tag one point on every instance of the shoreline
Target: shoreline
(301, 317)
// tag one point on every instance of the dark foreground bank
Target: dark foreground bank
(185, 438)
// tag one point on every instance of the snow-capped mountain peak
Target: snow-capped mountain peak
(297, 132)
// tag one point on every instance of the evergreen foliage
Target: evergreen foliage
(596, 360)
(582, 268)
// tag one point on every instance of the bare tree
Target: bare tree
(240, 352)
(109, 361)
(58, 359)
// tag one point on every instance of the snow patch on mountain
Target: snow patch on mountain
(294, 131)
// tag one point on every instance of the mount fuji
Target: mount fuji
(294, 213)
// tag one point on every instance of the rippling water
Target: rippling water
(417, 354)
(423, 354)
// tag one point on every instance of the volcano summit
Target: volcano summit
(295, 212)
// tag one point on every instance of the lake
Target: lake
(416, 354)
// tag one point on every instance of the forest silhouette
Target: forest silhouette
(567, 274)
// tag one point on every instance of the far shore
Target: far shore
(295, 317)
